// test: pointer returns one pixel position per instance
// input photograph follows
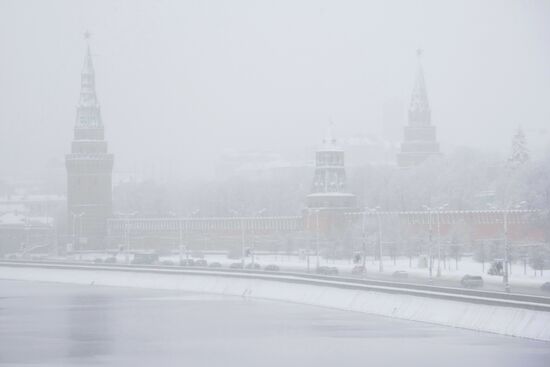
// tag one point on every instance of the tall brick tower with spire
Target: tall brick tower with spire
(419, 135)
(89, 168)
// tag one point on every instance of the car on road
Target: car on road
(215, 264)
(471, 281)
(327, 270)
(187, 262)
(236, 266)
(201, 262)
(545, 287)
(145, 258)
(253, 266)
(167, 262)
(272, 267)
(110, 260)
(358, 270)
(400, 274)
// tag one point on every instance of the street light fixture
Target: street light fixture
(437, 211)
(376, 211)
(127, 233)
(241, 220)
(317, 265)
(76, 239)
(507, 265)
(259, 213)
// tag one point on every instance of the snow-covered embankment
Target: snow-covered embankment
(511, 321)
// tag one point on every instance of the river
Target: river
(50, 324)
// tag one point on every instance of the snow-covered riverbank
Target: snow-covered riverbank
(488, 318)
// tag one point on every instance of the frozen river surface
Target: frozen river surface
(70, 325)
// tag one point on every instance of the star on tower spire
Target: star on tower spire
(419, 109)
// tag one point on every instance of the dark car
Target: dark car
(272, 267)
(201, 262)
(545, 287)
(253, 266)
(145, 259)
(236, 266)
(327, 270)
(400, 274)
(167, 262)
(215, 265)
(358, 270)
(187, 262)
(471, 281)
(98, 260)
(110, 260)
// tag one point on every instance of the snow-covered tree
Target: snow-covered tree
(520, 152)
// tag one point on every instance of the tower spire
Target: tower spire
(88, 112)
(420, 140)
(419, 109)
(88, 64)
(329, 139)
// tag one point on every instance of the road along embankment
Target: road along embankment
(513, 315)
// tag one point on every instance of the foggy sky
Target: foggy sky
(181, 82)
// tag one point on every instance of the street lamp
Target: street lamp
(317, 234)
(241, 220)
(253, 252)
(181, 236)
(376, 211)
(127, 233)
(506, 278)
(75, 237)
(438, 213)
(506, 212)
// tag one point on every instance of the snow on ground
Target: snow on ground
(520, 276)
(465, 266)
(474, 316)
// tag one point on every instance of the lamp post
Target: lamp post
(376, 211)
(195, 213)
(430, 269)
(439, 209)
(438, 223)
(241, 221)
(127, 233)
(317, 229)
(76, 238)
(253, 251)
(506, 278)
(180, 242)
(506, 275)
(507, 264)
(364, 243)
(308, 240)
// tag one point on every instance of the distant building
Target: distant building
(419, 135)
(329, 180)
(28, 222)
(89, 169)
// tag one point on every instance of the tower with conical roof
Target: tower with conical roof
(329, 180)
(89, 167)
(419, 135)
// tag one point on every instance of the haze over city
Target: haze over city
(275, 183)
(195, 80)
